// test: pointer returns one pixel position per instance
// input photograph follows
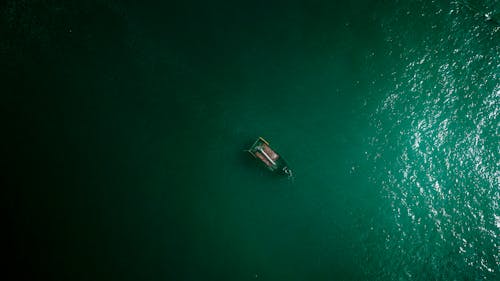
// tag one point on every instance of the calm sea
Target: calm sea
(125, 125)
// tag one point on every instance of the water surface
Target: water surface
(127, 124)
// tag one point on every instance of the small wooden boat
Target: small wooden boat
(273, 161)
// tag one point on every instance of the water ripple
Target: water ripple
(437, 150)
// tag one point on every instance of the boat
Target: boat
(270, 158)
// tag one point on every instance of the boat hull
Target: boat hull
(270, 158)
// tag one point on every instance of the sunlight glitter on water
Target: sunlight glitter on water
(438, 134)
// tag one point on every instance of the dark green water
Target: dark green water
(124, 126)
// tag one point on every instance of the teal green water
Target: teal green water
(126, 125)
